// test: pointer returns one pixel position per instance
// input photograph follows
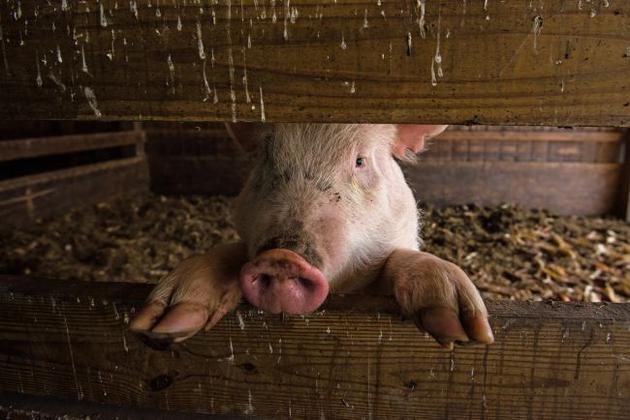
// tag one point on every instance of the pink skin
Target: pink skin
(279, 280)
(326, 207)
(330, 211)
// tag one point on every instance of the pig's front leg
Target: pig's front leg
(438, 295)
(197, 294)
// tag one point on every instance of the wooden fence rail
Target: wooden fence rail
(44, 190)
(553, 62)
(353, 359)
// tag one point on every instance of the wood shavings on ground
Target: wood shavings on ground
(513, 253)
(509, 252)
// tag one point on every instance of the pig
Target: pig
(325, 209)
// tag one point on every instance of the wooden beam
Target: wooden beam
(564, 188)
(354, 358)
(534, 136)
(518, 146)
(16, 406)
(44, 146)
(446, 61)
(25, 199)
(566, 172)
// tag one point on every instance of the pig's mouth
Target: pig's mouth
(280, 280)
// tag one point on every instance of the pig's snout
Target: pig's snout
(279, 280)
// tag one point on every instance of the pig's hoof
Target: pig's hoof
(157, 341)
(448, 328)
(440, 297)
(197, 294)
(443, 325)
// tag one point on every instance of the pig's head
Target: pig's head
(323, 208)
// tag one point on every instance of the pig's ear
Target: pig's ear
(410, 138)
(248, 135)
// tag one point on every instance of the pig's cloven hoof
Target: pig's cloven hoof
(197, 294)
(440, 297)
(156, 341)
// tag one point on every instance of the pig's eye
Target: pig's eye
(360, 162)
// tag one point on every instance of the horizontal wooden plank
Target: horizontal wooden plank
(355, 358)
(478, 147)
(446, 61)
(16, 406)
(567, 177)
(530, 128)
(578, 135)
(564, 188)
(22, 200)
(574, 145)
(19, 129)
(43, 146)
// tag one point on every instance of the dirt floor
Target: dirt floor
(510, 253)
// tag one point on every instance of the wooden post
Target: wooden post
(354, 358)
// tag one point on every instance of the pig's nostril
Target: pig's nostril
(306, 283)
(264, 280)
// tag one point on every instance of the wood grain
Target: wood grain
(16, 406)
(565, 172)
(46, 146)
(519, 146)
(354, 358)
(19, 129)
(25, 199)
(556, 62)
(563, 188)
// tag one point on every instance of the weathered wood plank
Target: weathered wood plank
(566, 174)
(354, 359)
(556, 62)
(507, 134)
(19, 129)
(564, 188)
(16, 406)
(520, 146)
(43, 146)
(22, 200)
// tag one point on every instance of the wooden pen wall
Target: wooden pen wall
(568, 171)
(48, 168)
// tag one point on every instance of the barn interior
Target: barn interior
(115, 165)
(530, 212)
